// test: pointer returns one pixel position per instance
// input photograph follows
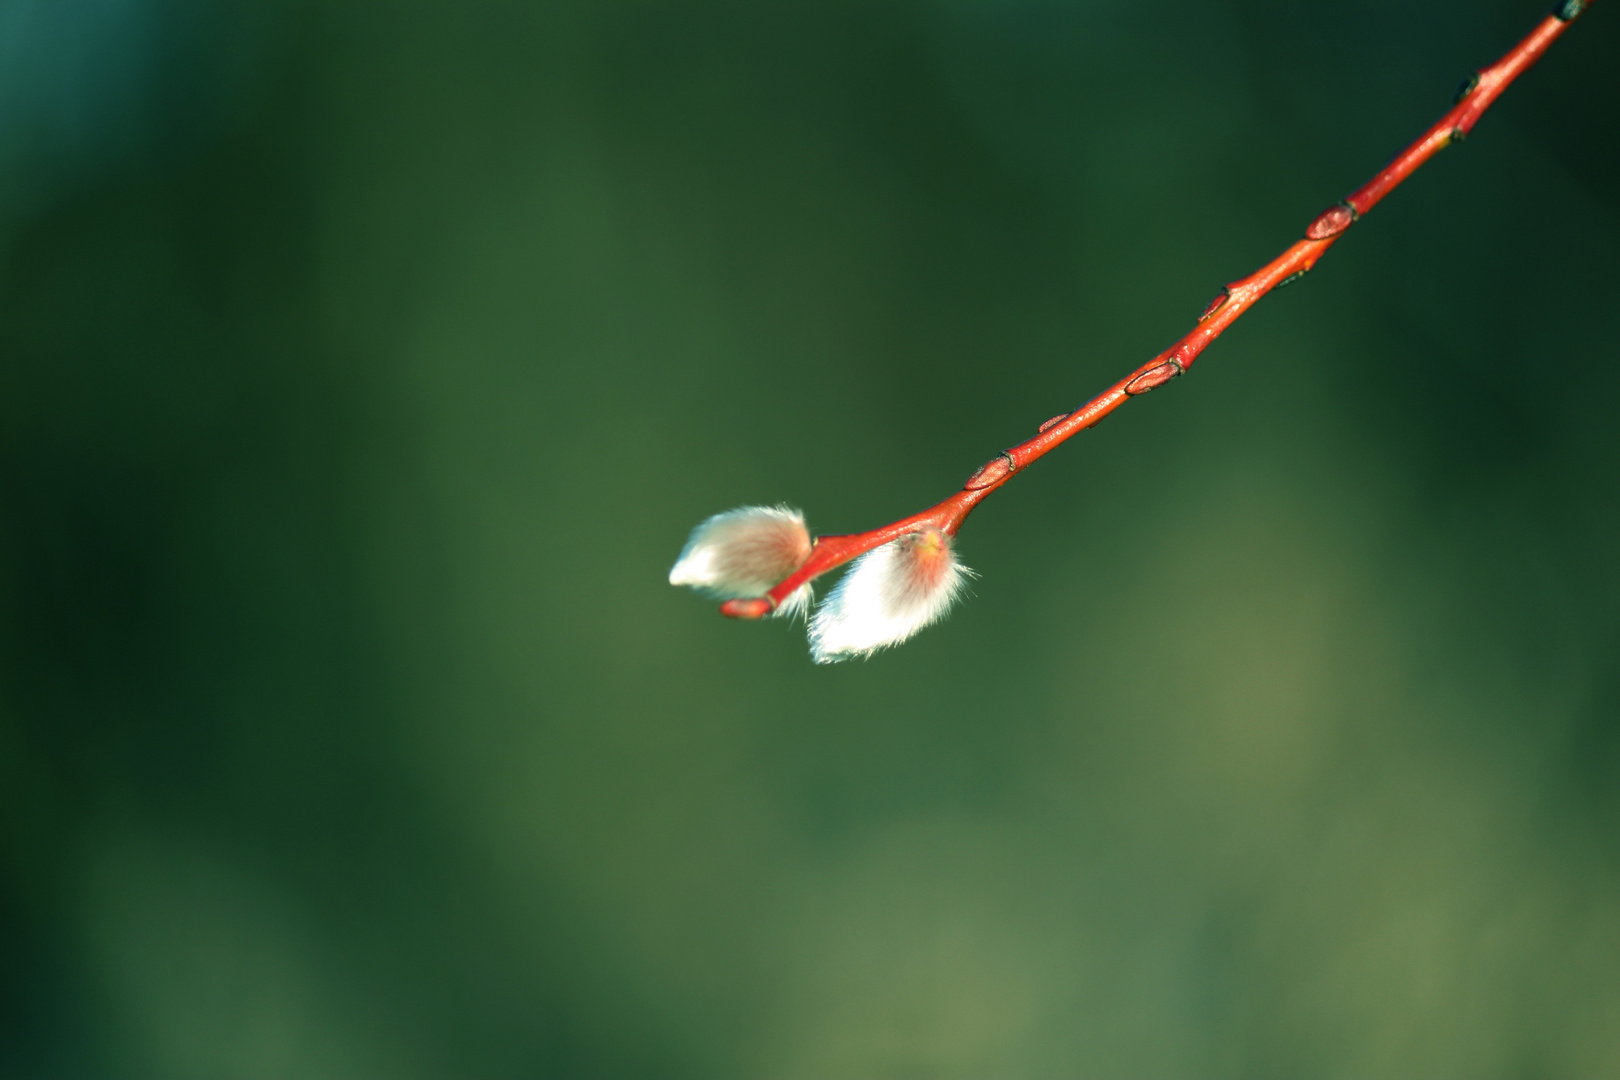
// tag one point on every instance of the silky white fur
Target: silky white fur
(886, 596)
(744, 552)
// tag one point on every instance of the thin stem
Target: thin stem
(1482, 90)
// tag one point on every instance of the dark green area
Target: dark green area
(363, 367)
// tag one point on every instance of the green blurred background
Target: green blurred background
(363, 367)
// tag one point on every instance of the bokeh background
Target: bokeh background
(363, 367)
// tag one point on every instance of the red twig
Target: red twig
(1232, 301)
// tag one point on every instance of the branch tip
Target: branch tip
(752, 607)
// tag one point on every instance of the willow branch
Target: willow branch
(1229, 304)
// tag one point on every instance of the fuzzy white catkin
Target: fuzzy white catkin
(887, 595)
(744, 552)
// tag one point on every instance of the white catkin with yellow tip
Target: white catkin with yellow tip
(888, 595)
(744, 552)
